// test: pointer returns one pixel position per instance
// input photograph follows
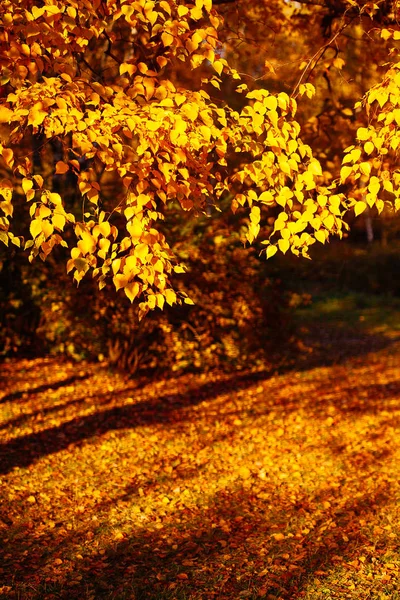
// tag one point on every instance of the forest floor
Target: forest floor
(277, 485)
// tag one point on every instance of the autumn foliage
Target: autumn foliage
(116, 114)
(246, 486)
(156, 153)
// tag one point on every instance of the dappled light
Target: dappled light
(199, 300)
(251, 485)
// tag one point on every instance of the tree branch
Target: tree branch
(312, 63)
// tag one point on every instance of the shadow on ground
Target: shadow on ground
(200, 554)
(197, 553)
(170, 409)
(173, 408)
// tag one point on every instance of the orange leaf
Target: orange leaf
(61, 167)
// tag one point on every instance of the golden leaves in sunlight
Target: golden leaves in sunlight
(157, 138)
(288, 482)
(141, 117)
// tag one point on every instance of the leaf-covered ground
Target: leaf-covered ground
(253, 485)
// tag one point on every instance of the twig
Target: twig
(312, 63)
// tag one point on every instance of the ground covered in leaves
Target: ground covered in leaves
(251, 485)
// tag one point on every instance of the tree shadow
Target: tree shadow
(166, 410)
(362, 398)
(236, 544)
(171, 409)
(42, 388)
(23, 419)
(213, 542)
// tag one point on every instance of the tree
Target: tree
(114, 113)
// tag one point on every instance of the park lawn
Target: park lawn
(247, 485)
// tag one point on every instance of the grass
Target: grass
(369, 313)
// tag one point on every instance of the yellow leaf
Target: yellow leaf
(386, 34)
(329, 222)
(5, 114)
(47, 228)
(170, 297)
(271, 250)
(132, 290)
(8, 156)
(255, 214)
(127, 68)
(338, 63)
(27, 184)
(266, 198)
(369, 147)
(130, 264)
(309, 180)
(152, 301)
(182, 10)
(278, 537)
(16, 241)
(4, 237)
(149, 86)
(362, 134)
(58, 221)
(7, 208)
(196, 13)
(206, 132)
(218, 66)
(244, 472)
(135, 228)
(283, 245)
(388, 186)
(160, 301)
(37, 115)
(55, 198)
(359, 207)
(315, 168)
(116, 265)
(87, 244)
(271, 102)
(105, 228)
(374, 186)
(320, 236)
(167, 39)
(44, 211)
(344, 173)
(37, 12)
(141, 251)
(365, 168)
(6, 189)
(315, 221)
(120, 280)
(190, 110)
(35, 227)
(153, 125)
(39, 180)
